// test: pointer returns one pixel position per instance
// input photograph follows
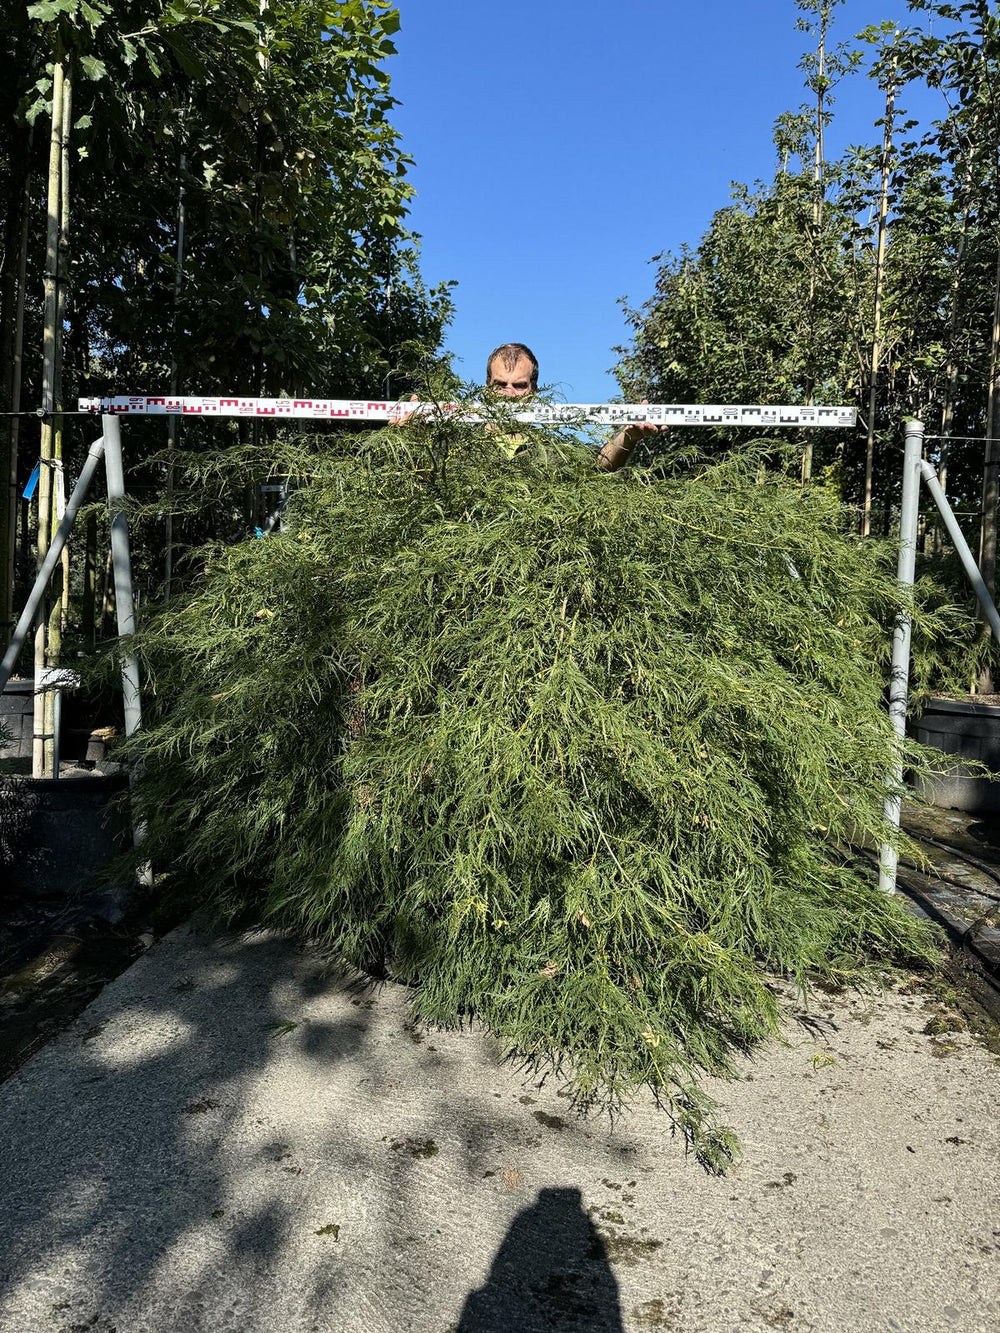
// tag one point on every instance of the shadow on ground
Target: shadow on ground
(114, 1154)
(231, 1138)
(551, 1272)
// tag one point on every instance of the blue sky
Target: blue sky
(560, 145)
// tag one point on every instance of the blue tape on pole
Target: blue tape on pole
(29, 490)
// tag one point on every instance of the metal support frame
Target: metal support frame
(915, 468)
(109, 448)
(121, 562)
(37, 594)
(899, 675)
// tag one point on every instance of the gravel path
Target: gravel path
(228, 1140)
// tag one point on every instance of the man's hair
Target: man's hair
(509, 354)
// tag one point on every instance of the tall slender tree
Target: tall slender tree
(882, 235)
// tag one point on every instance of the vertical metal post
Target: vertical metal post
(124, 600)
(121, 563)
(899, 679)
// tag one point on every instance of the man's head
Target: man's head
(512, 371)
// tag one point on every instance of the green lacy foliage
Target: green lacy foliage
(570, 751)
(951, 648)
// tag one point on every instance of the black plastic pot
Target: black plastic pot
(971, 730)
(69, 830)
(16, 712)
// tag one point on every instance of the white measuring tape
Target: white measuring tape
(544, 414)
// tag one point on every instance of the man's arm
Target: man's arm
(617, 452)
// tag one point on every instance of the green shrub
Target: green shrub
(578, 754)
(951, 649)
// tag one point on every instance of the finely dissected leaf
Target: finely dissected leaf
(580, 754)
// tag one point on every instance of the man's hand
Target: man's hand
(404, 417)
(617, 452)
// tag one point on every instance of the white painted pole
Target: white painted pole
(899, 679)
(122, 566)
(124, 606)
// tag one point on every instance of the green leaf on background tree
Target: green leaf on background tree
(94, 16)
(185, 55)
(48, 10)
(93, 68)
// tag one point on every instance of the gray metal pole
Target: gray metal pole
(37, 593)
(124, 604)
(962, 547)
(121, 562)
(899, 679)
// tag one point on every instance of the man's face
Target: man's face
(513, 383)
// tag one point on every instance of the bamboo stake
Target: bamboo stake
(50, 355)
(899, 675)
(57, 499)
(59, 506)
(88, 611)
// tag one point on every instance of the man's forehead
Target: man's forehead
(521, 369)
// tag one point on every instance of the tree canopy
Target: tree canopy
(874, 278)
(579, 754)
(231, 208)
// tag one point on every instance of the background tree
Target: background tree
(271, 120)
(872, 279)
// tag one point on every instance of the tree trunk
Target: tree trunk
(952, 366)
(880, 248)
(991, 463)
(817, 227)
(88, 610)
(107, 593)
(173, 423)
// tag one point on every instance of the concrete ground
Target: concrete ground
(229, 1140)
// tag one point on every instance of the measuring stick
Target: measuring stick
(542, 414)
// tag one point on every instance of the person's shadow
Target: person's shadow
(550, 1273)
